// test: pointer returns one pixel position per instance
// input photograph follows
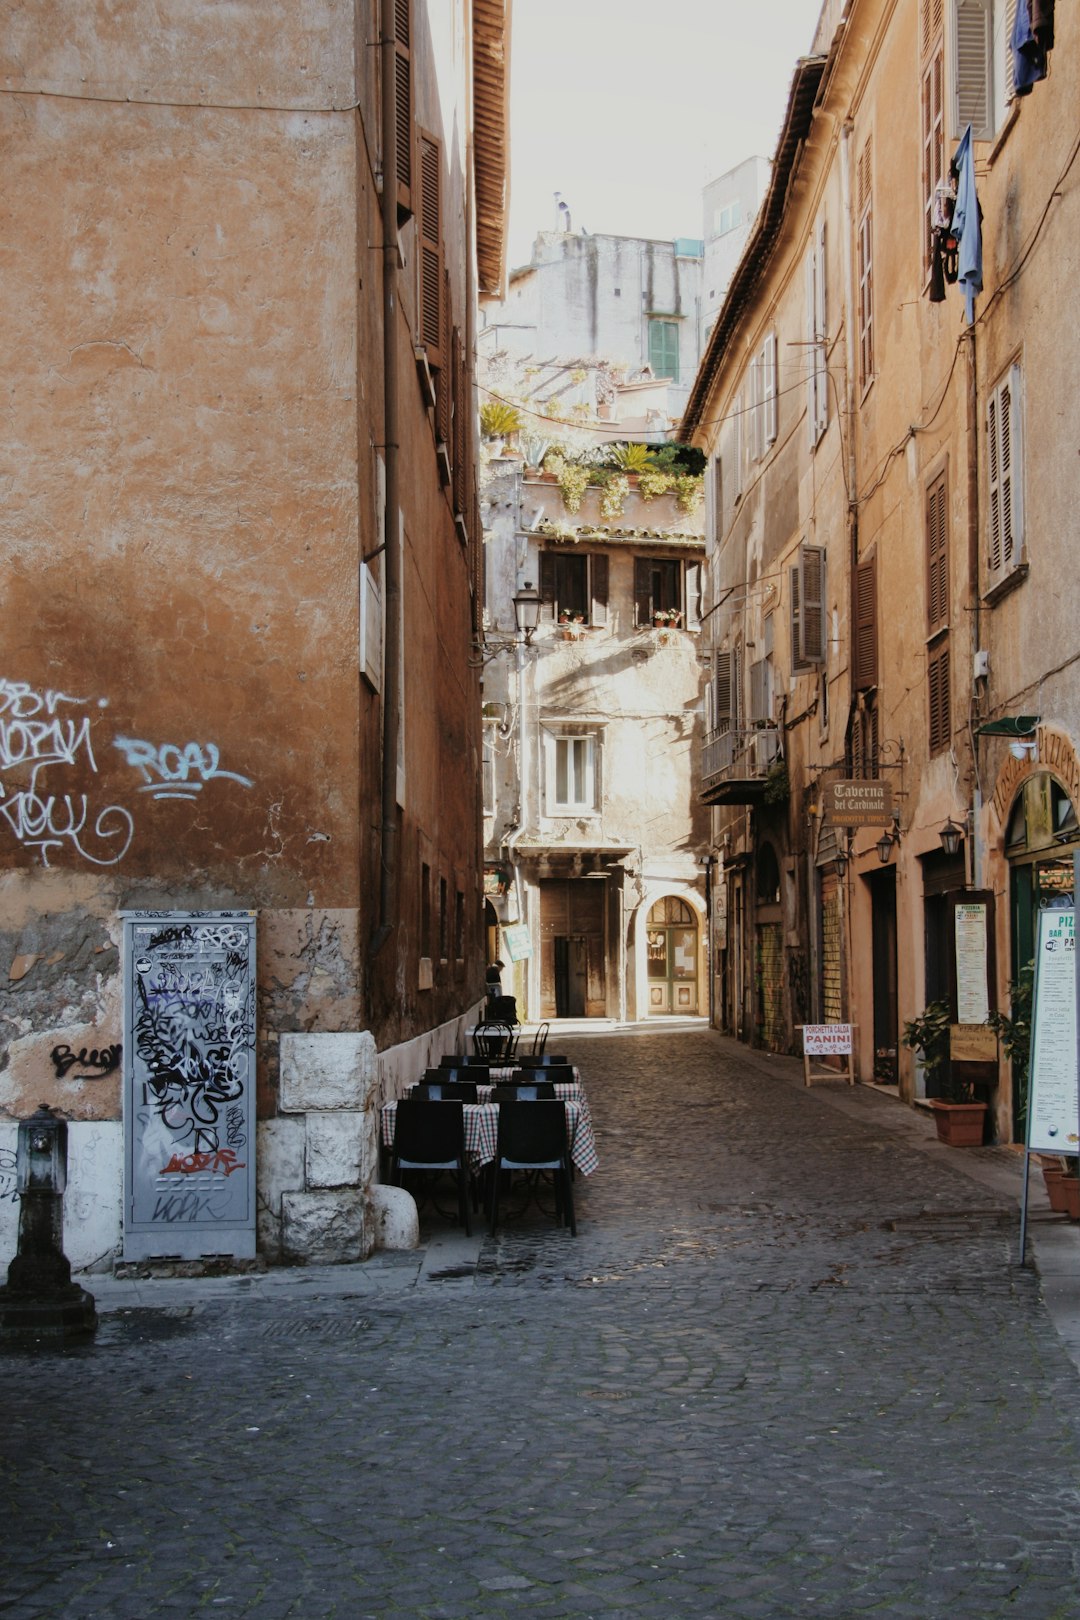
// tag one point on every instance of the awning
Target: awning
(1016, 725)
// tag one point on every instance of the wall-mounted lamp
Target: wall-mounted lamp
(888, 841)
(527, 610)
(840, 860)
(951, 837)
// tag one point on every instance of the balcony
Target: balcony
(735, 765)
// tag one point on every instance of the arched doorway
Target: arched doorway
(671, 935)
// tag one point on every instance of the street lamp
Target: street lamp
(888, 840)
(527, 610)
(951, 837)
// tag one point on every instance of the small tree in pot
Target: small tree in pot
(957, 1115)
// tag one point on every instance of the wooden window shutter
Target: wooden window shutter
(461, 423)
(759, 704)
(795, 621)
(937, 556)
(866, 265)
(974, 67)
(937, 680)
(770, 390)
(812, 604)
(642, 591)
(598, 588)
(933, 139)
(865, 671)
(548, 586)
(431, 270)
(1005, 517)
(403, 105)
(722, 691)
(930, 26)
(444, 386)
(692, 593)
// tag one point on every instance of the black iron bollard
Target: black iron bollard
(40, 1300)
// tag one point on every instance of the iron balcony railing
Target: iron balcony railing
(732, 758)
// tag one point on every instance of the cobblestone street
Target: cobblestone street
(788, 1367)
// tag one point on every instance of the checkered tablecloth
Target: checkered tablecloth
(482, 1132)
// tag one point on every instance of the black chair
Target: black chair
(525, 1091)
(532, 1137)
(549, 1060)
(496, 1042)
(440, 1083)
(540, 1040)
(430, 1136)
(472, 1074)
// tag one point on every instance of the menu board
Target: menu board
(972, 1002)
(1052, 1102)
(189, 1083)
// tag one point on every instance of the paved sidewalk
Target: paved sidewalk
(789, 1367)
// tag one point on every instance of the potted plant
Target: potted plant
(666, 618)
(570, 623)
(958, 1116)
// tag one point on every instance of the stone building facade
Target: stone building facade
(241, 554)
(892, 514)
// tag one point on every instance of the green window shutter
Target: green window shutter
(664, 349)
(812, 603)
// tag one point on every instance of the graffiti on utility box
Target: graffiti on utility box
(189, 1044)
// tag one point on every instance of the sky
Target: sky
(627, 109)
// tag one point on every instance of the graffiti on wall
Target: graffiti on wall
(9, 1186)
(47, 763)
(190, 994)
(93, 1063)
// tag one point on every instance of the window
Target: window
(444, 920)
(1005, 511)
(664, 349)
(866, 267)
(425, 909)
(664, 586)
(727, 218)
(933, 127)
(718, 499)
(574, 586)
(571, 773)
(807, 580)
(817, 376)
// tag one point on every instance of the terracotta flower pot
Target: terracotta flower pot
(1055, 1191)
(1071, 1188)
(959, 1124)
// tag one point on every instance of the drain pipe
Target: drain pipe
(388, 834)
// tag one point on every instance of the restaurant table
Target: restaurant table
(482, 1132)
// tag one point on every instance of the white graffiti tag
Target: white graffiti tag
(34, 737)
(171, 772)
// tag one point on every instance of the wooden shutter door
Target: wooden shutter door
(548, 587)
(974, 29)
(937, 680)
(864, 616)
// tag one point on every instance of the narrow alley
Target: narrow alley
(789, 1366)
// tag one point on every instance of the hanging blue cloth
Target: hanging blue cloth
(967, 224)
(1029, 57)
